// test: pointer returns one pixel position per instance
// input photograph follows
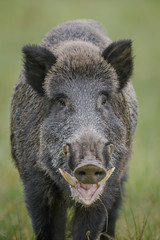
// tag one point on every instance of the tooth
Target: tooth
(109, 172)
(67, 177)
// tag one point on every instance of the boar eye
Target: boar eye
(60, 99)
(103, 102)
(62, 103)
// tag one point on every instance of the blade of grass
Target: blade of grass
(134, 222)
(143, 228)
(124, 212)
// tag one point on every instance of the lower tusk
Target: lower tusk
(109, 173)
(67, 177)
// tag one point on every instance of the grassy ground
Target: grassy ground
(23, 22)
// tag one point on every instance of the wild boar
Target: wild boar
(73, 116)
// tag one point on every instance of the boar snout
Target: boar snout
(89, 173)
(88, 157)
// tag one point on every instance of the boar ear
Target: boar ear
(119, 55)
(37, 61)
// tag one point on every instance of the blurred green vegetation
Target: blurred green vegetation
(23, 22)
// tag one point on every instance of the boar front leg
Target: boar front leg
(87, 221)
(48, 222)
(112, 217)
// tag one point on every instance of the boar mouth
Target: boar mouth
(85, 193)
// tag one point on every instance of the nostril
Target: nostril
(81, 173)
(98, 174)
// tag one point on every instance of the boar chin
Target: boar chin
(86, 194)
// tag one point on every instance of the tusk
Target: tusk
(67, 177)
(109, 172)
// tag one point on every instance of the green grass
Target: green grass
(23, 22)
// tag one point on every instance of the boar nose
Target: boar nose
(89, 174)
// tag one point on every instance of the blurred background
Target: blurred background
(26, 21)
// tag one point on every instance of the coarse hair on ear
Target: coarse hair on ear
(37, 62)
(119, 55)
